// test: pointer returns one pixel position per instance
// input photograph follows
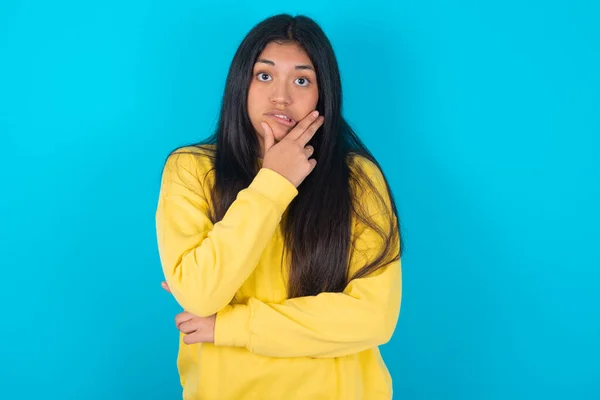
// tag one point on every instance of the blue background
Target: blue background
(484, 115)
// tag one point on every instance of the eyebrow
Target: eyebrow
(269, 62)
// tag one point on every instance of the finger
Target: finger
(313, 164)
(309, 150)
(302, 126)
(194, 337)
(165, 286)
(269, 136)
(182, 317)
(310, 132)
(188, 327)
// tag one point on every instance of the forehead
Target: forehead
(285, 55)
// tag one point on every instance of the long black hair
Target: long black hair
(317, 225)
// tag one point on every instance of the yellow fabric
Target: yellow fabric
(267, 346)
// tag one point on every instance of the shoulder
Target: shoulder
(189, 166)
(199, 158)
(365, 172)
(197, 154)
(369, 187)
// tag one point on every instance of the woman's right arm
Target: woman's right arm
(205, 264)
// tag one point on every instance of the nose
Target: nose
(280, 94)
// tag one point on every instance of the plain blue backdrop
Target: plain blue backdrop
(484, 115)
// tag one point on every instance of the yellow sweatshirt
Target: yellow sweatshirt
(266, 345)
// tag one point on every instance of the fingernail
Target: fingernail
(315, 113)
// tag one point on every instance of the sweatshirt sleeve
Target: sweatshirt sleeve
(205, 264)
(363, 316)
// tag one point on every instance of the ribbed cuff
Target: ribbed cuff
(274, 187)
(232, 326)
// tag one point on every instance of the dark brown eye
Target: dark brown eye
(303, 81)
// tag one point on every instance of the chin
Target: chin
(281, 133)
(281, 136)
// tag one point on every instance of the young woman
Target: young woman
(279, 235)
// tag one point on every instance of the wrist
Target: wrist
(232, 326)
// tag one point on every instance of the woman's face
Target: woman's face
(283, 83)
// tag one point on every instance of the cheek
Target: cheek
(254, 106)
(256, 95)
(252, 100)
(310, 100)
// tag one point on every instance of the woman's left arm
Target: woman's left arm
(326, 325)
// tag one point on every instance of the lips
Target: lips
(282, 118)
